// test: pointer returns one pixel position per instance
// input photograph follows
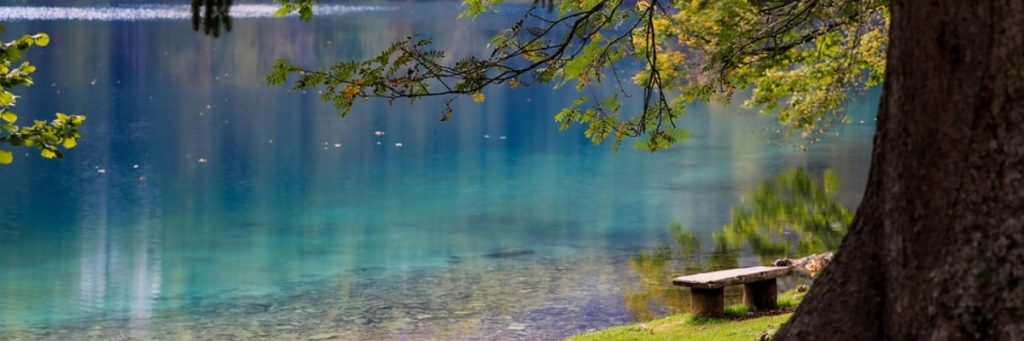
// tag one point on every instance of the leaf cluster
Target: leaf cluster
(303, 7)
(47, 137)
(801, 59)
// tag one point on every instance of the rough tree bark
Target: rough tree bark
(936, 251)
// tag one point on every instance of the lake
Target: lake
(202, 204)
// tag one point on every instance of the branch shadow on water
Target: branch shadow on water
(793, 215)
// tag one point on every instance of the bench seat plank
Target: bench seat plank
(719, 279)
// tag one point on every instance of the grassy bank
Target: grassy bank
(736, 326)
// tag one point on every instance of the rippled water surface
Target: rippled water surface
(203, 205)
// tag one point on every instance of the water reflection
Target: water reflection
(794, 216)
(215, 13)
(790, 216)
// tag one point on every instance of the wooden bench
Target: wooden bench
(707, 290)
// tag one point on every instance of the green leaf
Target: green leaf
(76, 121)
(50, 137)
(13, 53)
(9, 116)
(306, 14)
(281, 12)
(14, 140)
(6, 157)
(6, 98)
(42, 39)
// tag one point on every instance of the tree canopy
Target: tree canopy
(48, 137)
(800, 59)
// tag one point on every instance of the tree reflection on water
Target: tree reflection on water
(792, 216)
(211, 14)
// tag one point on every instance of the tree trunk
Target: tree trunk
(936, 251)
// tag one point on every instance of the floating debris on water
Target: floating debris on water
(398, 144)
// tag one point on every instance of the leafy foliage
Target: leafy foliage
(801, 58)
(45, 136)
(303, 7)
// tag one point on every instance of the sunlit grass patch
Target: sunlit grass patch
(686, 328)
(736, 325)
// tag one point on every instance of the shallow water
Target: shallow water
(201, 204)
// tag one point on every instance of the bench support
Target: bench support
(760, 290)
(761, 295)
(707, 302)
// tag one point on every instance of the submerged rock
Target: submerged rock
(507, 253)
(516, 326)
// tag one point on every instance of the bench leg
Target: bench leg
(707, 302)
(761, 295)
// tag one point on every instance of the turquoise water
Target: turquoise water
(201, 204)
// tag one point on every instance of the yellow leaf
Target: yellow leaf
(42, 39)
(6, 157)
(70, 143)
(47, 153)
(478, 97)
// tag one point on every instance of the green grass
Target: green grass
(737, 310)
(688, 328)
